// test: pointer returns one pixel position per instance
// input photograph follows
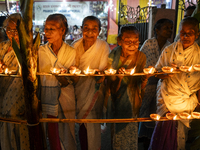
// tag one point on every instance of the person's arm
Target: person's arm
(165, 76)
(163, 59)
(144, 79)
(63, 81)
(116, 80)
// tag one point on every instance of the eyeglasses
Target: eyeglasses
(187, 34)
(129, 42)
(9, 31)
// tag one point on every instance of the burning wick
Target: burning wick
(133, 71)
(74, 71)
(87, 70)
(54, 70)
(111, 71)
(190, 68)
(158, 117)
(6, 71)
(174, 118)
(150, 70)
(155, 116)
(189, 117)
(171, 70)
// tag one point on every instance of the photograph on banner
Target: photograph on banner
(159, 2)
(75, 12)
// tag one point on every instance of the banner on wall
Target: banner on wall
(73, 11)
(159, 2)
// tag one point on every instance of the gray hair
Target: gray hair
(127, 28)
(13, 17)
(61, 19)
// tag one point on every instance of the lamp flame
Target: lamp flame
(54, 70)
(157, 117)
(190, 68)
(111, 71)
(87, 70)
(133, 71)
(6, 71)
(189, 117)
(174, 118)
(74, 71)
(150, 71)
(171, 70)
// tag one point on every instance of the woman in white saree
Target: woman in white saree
(93, 53)
(177, 93)
(57, 93)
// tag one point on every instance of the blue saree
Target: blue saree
(127, 99)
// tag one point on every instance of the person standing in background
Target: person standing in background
(152, 48)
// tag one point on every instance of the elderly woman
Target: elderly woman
(12, 104)
(177, 92)
(90, 52)
(126, 92)
(57, 93)
(152, 48)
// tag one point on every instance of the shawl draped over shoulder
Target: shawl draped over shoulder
(86, 89)
(50, 88)
(178, 93)
(89, 94)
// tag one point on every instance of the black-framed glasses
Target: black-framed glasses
(12, 31)
(187, 34)
(129, 42)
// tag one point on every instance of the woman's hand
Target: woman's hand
(2, 65)
(101, 79)
(74, 78)
(173, 65)
(62, 80)
(121, 71)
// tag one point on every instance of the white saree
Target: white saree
(89, 96)
(178, 93)
(58, 101)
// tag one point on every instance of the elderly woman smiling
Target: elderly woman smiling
(57, 95)
(91, 52)
(126, 92)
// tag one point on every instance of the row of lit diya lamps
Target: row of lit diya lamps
(111, 71)
(8, 71)
(183, 115)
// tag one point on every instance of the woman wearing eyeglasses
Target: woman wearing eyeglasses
(57, 93)
(12, 104)
(126, 92)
